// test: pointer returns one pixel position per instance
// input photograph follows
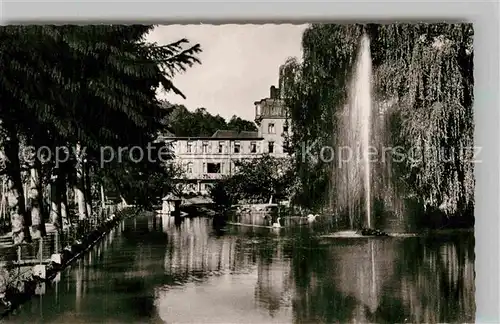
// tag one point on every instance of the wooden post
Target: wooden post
(3, 210)
(40, 248)
(103, 203)
(25, 190)
(177, 212)
(56, 245)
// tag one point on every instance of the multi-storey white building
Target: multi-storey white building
(208, 159)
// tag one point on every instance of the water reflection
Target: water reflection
(153, 272)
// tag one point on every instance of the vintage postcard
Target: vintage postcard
(274, 173)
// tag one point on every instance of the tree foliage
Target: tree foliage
(241, 125)
(256, 180)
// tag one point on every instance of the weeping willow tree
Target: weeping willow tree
(432, 112)
(423, 88)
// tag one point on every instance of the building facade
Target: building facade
(204, 160)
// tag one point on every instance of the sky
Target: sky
(239, 64)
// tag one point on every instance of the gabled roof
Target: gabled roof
(171, 197)
(168, 134)
(197, 201)
(164, 136)
(225, 133)
(249, 134)
(234, 134)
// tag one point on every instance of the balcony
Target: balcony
(200, 176)
(211, 176)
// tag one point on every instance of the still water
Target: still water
(149, 271)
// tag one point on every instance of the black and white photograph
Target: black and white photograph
(237, 173)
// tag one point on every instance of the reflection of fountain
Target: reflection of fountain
(374, 283)
(364, 276)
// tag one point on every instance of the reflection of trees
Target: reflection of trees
(127, 270)
(437, 279)
(317, 298)
(112, 282)
(409, 280)
(193, 253)
(383, 280)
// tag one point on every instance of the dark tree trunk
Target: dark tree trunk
(63, 190)
(80, 191)
(55, 203)
(38, 211)
(88, 192)
(20, 220)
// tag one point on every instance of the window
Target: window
(189, 147)
(285, 128)
(205, 147)
(253, 147)
(221, 147)
(271, 147)
(236, 147)
(204, 168)
(190, 167)
(270, 128)
(213, 168)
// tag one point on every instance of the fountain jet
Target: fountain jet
(354, 178)
(363, 101)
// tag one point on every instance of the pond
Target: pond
(149, 270)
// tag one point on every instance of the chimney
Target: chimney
(274, 93)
